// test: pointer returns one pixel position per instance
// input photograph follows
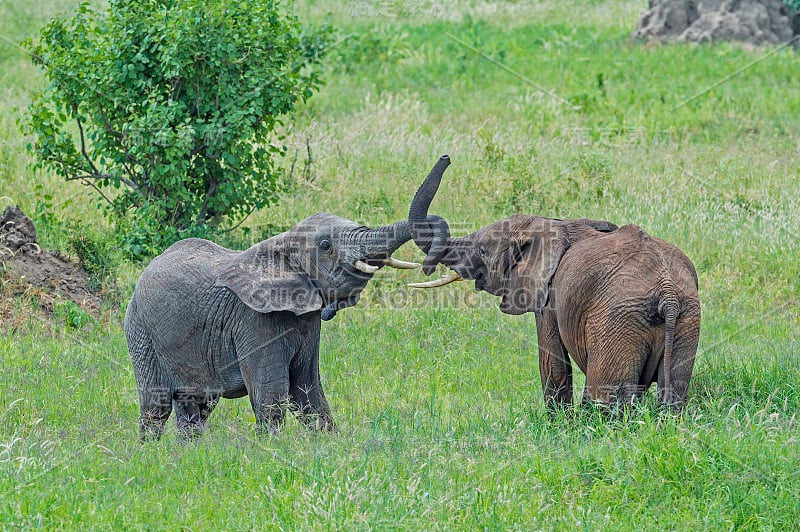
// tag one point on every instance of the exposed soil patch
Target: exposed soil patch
(26, 268)
(754, 22)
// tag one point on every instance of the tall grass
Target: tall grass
(442, 423)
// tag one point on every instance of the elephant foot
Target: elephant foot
(268, 428)
(152, 424)
(190, 426)
(317, 422)
(148, 433)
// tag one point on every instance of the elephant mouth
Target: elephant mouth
(353, 278)
(507, 307)
(510, 304)
(480, 282)
(501, 292)
(483, 283)
(461, 274)
(329, 312)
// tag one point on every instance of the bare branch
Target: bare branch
(212, 189)
(89, 176)
(88, 183)
(98, 175)
(240, 222)
(291, 170)
(83, 142)
(308, 171)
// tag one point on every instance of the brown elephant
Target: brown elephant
(623, 304)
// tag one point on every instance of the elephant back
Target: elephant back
(184, 273)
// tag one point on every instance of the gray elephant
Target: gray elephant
(206, 322)
(623, 304)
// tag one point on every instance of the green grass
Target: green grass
(442, 423)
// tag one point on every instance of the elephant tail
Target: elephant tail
(669, 309)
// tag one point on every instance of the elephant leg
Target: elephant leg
(555, 368)
(281, 370)
(155, 408)
(305, 389)
(206, 407)
(154, 386)
(268, 388)
(684, 349)
(269, 404)
(613, 371)
(187, 414)
(310, 406)
(191, 412)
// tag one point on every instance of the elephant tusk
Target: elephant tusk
(438, 282)
(366, 268)
(401, 264)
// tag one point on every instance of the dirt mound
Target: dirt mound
(26, 265)
(754, 22)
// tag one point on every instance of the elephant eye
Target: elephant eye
(325, 245)
(482, 251)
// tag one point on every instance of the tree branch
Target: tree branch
(240, 222)
(98, 175)
(83, 142)
(121, 139)
(212, 189)
(88, 183)
(198, 149)
(89, 176)
(175, 83)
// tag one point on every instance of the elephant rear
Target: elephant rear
(679, 307)
(674, 308)
(154, 328)
(629, 314)
(175, 285)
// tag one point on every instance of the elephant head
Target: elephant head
(514, 258)
(322, 263)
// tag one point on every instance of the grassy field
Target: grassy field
(442, 423)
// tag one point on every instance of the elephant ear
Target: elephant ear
(539, 248)
(265, 279)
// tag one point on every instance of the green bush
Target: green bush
(98, 256)
(166, 108)
(73, 316)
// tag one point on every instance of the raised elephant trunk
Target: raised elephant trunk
(427, 190)
(430, 233)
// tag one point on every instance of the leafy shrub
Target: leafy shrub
(74, 317)
(97, 254)
(166, 108)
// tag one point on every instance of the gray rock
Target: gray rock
(754, 22)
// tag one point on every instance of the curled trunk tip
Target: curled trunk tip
(430, 234)
(425, 193)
